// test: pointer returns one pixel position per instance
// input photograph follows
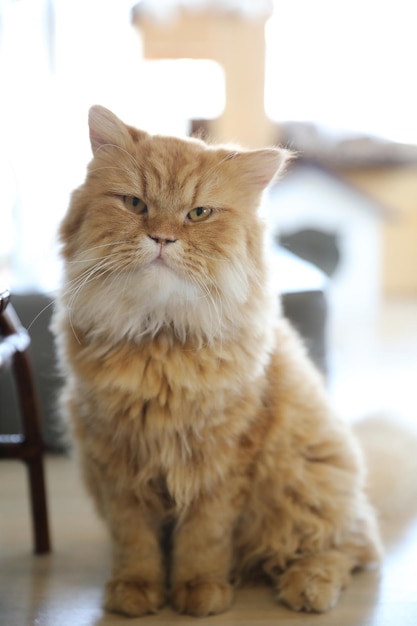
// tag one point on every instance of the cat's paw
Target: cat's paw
(133, 598)
(312, 584)
(202, 598)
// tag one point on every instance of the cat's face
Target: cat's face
(165, 224)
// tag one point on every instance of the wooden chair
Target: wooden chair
(28, 447)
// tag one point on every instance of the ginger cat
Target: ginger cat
(204, 431)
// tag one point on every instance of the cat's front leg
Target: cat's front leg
(201, 559)
(137, 583)
(314, 583)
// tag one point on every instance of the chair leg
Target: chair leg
(38, 505)
(33, 450)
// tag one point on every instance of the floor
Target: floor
(64, 588)
(373, 366)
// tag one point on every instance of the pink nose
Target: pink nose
(162, 239)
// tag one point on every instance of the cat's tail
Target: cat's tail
(390, 449)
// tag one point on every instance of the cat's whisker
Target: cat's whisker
(218, 165)
(78, 340)
(194, 278)
(219, 311)
(221, 258)
(204, 281)
(122, 268)
(125, 152)
(99, 269)
(111, 167)
(39, 314)
(216, 300)
(80, 277)
(120, 258)
(103, 245)
(106, 267)
(98, 258)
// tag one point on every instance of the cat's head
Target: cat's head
(165, 229)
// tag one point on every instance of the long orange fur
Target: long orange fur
(196, 411)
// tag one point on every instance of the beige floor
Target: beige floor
(64, 589)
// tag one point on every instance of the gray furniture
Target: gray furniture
(27, 445)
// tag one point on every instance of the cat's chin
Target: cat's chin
(159, 262)
(163, 273)
(161, 284)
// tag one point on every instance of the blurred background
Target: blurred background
(333, 81)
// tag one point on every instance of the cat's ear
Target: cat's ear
(259, 168)
(107, 128)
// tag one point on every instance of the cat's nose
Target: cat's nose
(162, 239)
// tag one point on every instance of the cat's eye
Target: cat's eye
(199, 214)
(135, 204)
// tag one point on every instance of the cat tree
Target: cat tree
(230, 33)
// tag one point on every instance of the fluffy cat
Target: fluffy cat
(197, 413)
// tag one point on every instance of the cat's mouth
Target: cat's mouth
(159, 259)
(161, 262)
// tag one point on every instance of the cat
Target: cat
(204, 432)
